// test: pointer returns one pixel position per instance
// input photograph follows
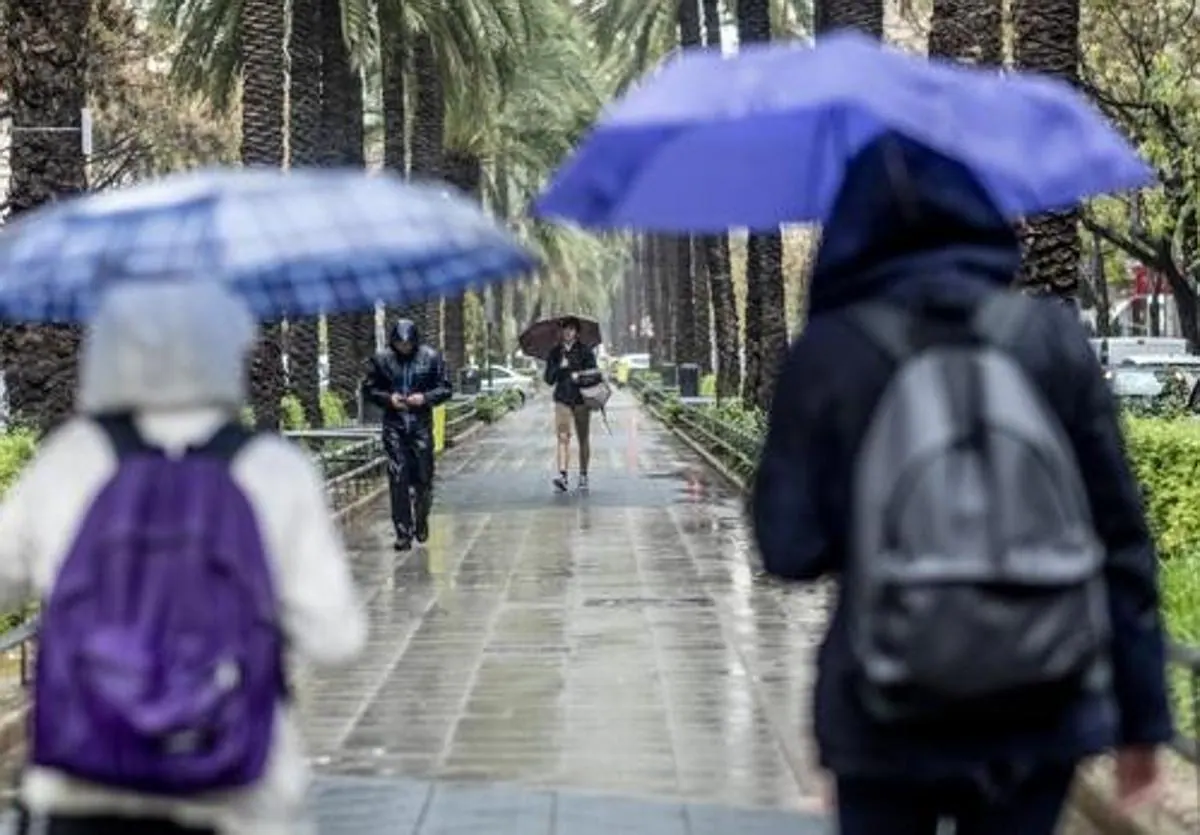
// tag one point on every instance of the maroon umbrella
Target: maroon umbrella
(540, 337)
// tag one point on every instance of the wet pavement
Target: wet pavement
(614, 642)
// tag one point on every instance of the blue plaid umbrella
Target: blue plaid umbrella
(295, 243)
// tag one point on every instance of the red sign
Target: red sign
(1143, 278)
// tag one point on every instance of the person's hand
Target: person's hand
(1137, 776)
(416, 399)
(575, 376)
(398, 401)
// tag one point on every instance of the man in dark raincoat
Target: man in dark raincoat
(407, 380)
(909, 226)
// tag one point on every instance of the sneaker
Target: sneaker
(583, 482)
(560, 483)
(422, 530)
(403, 543)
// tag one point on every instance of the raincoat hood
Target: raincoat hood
(405, 330)
(166, 346)
(906, 215)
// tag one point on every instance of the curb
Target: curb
(1091, 798)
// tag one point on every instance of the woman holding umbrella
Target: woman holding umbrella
(567, 366)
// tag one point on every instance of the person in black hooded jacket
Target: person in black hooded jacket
(407, 380)
(908, 227)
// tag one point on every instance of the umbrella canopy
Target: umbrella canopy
(538, 339)
(289, 243)
(762, 138)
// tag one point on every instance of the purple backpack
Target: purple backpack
(160, 665)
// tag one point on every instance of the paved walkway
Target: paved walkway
(615, 643)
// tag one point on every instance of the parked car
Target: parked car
(1142, 379)
(626, 364)
(503, 378)
(1114, 350)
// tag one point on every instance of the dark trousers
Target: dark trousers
(410, 474)
(1031, 805)
(105, 825)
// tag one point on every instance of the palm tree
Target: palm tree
(304, 141)
(351, 335)
(263, 54)
(393, 71)
(1046, 39)
(968, 30)
(686, 347)
(427, 144)
(718, 270)
(464, 171)
(45, 47)
(863, 15)
(765, 295)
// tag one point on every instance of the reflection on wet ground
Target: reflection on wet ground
(616, 641)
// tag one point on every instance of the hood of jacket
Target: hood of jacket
(166, 346)
(405, 330)
(907, 218)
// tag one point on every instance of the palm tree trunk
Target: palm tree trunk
(394, 60)
(700, 289)
(264, 57)
(684, 295)
(654, 300)
(718, 269)
(304, 141)
(667, 271)
(766, 320)
(351, 335)
(44, 43)
(863, 15)
(968, 30)
(712, 22)
(428, 143)
(500, 293)
(464, 171)
(1046, 39)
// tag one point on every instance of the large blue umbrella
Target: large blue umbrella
(289, 243)
(762, 138)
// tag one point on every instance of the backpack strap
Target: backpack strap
(225, 443)
(1001, 317)
(123, 434)
(887, 326)
(126, 440)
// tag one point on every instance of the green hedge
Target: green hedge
(1166, 456)
(489, 408)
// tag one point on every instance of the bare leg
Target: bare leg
(562, 431)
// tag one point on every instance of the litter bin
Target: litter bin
(689, 380)
(468, 381)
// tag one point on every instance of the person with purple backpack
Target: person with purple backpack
(181, 561)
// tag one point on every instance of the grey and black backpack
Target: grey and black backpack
(977, 574)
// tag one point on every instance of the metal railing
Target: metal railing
(739, 450)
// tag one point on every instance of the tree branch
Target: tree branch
(1142, 251)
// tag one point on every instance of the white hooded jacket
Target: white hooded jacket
(174, 354)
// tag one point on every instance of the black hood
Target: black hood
(405, 330)
(906, 214)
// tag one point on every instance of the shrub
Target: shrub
(1166, 458)
(708, 385)
(489, 408)
(333, 410)
(291, 413)
(17, 447)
